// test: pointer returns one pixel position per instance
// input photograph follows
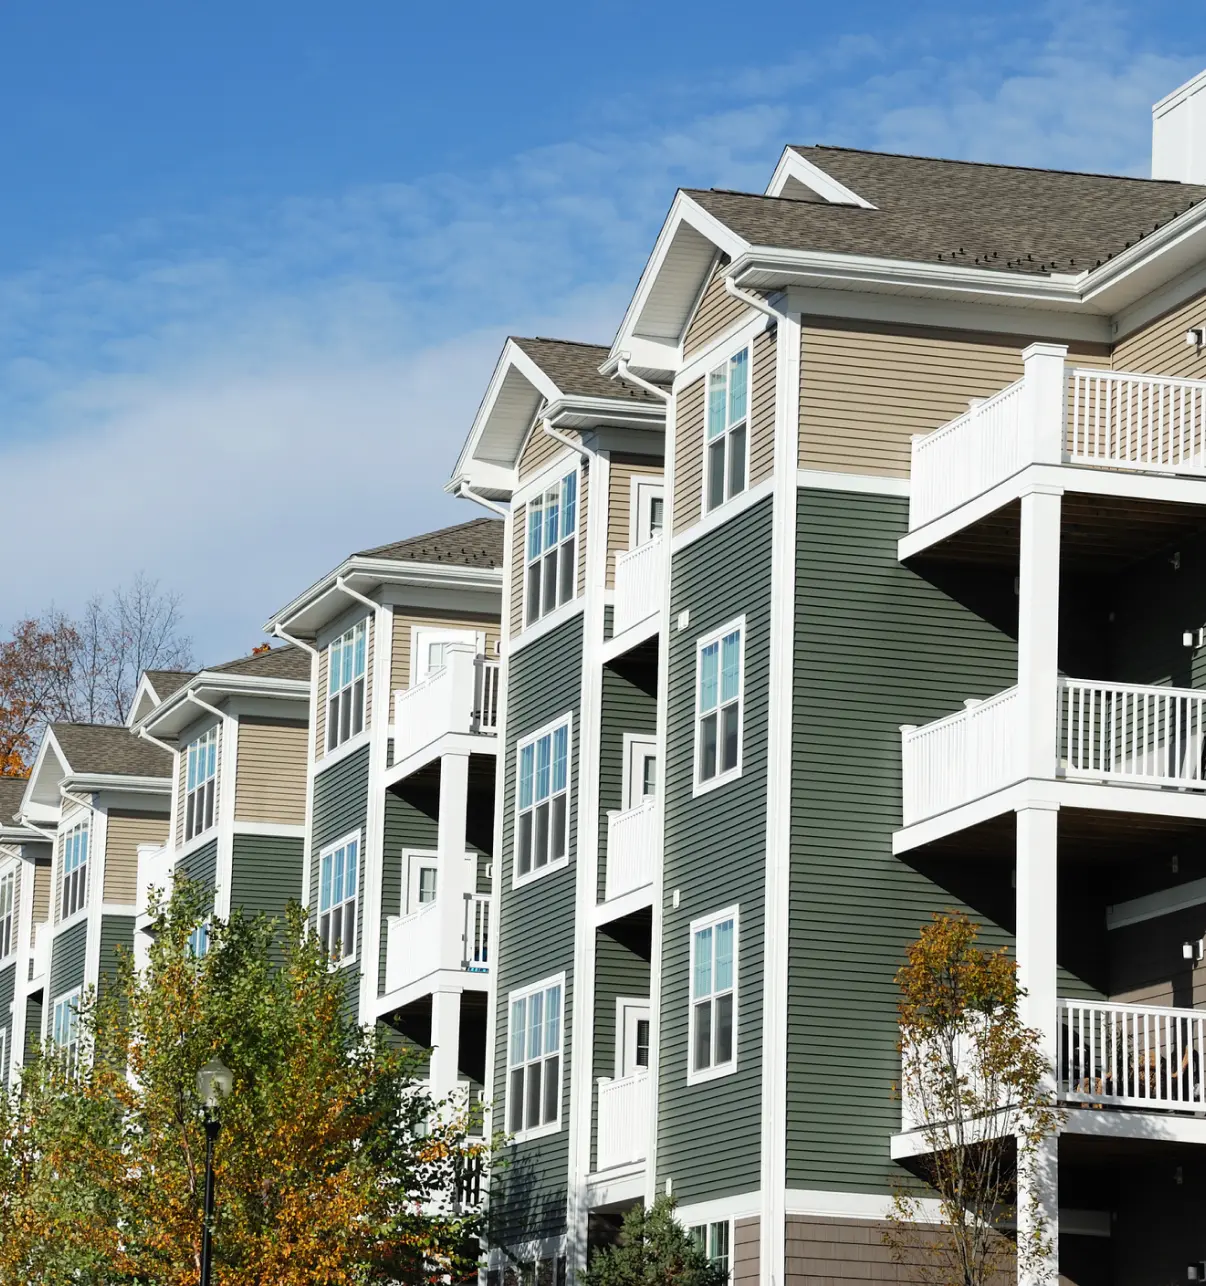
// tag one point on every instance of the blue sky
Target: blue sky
(257, 260)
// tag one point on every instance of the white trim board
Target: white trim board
(723, 513)
(1153, 905)
(864, 483)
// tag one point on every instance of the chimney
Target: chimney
(1179, 133)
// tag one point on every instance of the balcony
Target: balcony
(633, 844)
(461, 697)
(640, 580)
(623, 1121)
(1122, 734)
(39, 960)
(413, 943)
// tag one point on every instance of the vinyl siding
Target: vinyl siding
(716, 312)
(626, 707)
(8, 989)
(41, 897)
(404, 621)
(747, 1235)
(584, 488)
(619, 503)
(125, 830)
(67, 955)
(539, 450)
(619, 971)
(1159, 348)
(201, 865)
(340, 807)
(270, 773)
(536, 936)
(265, 873)
(116, 937)
(762, 408)
(33, 1027)
(715, 856)
(866, 388)
(688, 455)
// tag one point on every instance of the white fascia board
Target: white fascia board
(583, 412)
(1168, 252)
(491, 481)
(794, 166)
(96, 781)
(168, 718)
(684, 209)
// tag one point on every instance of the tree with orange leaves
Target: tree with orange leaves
(36, 668)
(333, 1167)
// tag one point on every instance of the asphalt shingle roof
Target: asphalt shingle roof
(931, 210)
(286, 662)
(102, 748)
(11, 790)
(574, 368)
(165, 682)
(478, 543)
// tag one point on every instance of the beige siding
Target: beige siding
(519, 524)
(539, 450)
(762, 409)
(583, 506)
(746, 1234)
(41, 897)
(716, 312)
(270, 772)
(866, 388)
(400, 672)
(320, 706)
(688, 455)
(181, 781)
(1159, 348)
(124, 831)
(619, 503)
(370, 644)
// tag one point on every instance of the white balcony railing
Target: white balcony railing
(462, 696)
(1126, 421)
(477, 933)
(639, 583)
(39, 960)
(633, 839)
(413, 942)
(156, 870)
(959, 758)
(1140, 1056)
(623, 1121)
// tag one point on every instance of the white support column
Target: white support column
(1038, 631)
(445, 1042)
(1037, 881)
(1043, 399)
(457, 878)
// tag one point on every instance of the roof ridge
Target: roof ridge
(552, 339)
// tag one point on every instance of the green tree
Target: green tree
(333, 1166)
(653, 1249)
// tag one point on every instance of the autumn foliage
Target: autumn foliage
(333, 1168)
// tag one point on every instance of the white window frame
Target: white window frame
(422, 636)
(640, 1009)
(534, 562)
(198, 790)
(644, 489)
(10, 891)
(732, 425)
(345, 695)
(706, 1233)
(415, 860)
(349, 953)
(720, 778)
(68, 1002)
(4, 1068)
(637, 748)
(714, 1071)
(84, 827)
(549, 730)
(527, 1060)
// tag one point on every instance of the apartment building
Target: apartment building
(861, 578)
(402, 645)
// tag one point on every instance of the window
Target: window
(65, 1025)
(633, 1032)
(337, 889)
(346, 660)
(8, 908)
(640, 769)
(542, 821)
(714, 995)
(198, 941)
(429, 649)
(75, 870)
(551, 568)
(714, 1240)
(727, 429)
(648, 510)
(422, 879)
(720, 663)
(534, 1060)
(201, 783)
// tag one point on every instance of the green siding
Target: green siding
(266, 873)
(117, 933)
(626, 708)
(537, 934)
(715, 849)
(619, 971)
(340, 807)
(8, 989)
(67, 954)
(33, 1027)
(201, 866)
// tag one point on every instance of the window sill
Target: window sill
(543, 1132)
(715, 783)
(712, 1074)
(342, 751)
(519, 881)
(546, 624)
(76, 917)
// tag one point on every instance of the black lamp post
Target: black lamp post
(214, 1083)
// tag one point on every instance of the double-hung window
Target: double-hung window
(8, 913)
(714, 1240)
(720, 662)
(713, 1019)
(346, 662)
(65, 1025)
(337, 895)
(727, 429)
(75, 870)
(534, 1059)
(201, 783)
(550, 565)
(542, 820)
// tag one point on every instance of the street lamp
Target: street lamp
(214, 1082)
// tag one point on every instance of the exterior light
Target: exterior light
(214, 1083)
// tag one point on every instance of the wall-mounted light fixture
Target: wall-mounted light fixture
(1194, 950)
(1194, 638)
(1197, 1272)
(1195, 336)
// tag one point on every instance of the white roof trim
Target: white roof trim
(796, 169)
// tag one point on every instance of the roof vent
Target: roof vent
(1179, 133)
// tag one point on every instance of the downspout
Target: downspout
(340, 583)
(33, 826)
(196, 700)
(466, 492)
(754, 301)
(163, 745)
(631, 377)
(585, 452)
(289, 638)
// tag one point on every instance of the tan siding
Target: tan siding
(370, 644)
(320, 708)
(717, 311)
(181, 779)
(41, 897)
(619, 503)
(688, 454)
(583, 507)
(762, 409)
(746, 1234)
(1159, 348)
(539, 449)
(400, 672)
(124, 831)
(519, 523)
(270, 773)
(866, 388)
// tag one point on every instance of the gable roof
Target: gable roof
(109, 750)
(477, 543)
(574, 369)
(165, 682)
(287, 662)
(926, 209)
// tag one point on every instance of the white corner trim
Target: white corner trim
(868, 483)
